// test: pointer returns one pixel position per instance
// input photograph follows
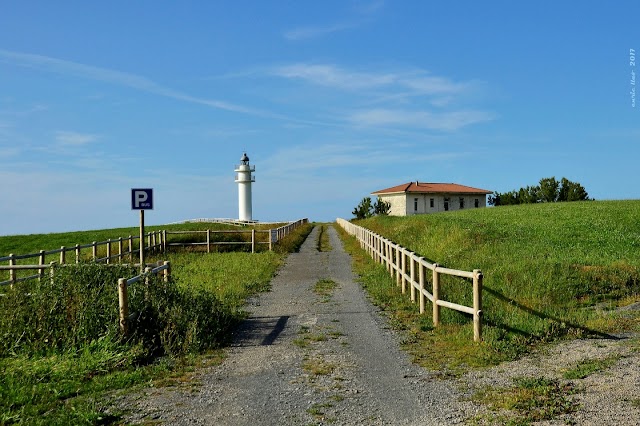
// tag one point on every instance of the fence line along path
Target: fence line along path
(121, 248)
(409, 268)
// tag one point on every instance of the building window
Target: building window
(431, 203)
(415, 204)
(477, 203)
(446, 204)
(461, 203)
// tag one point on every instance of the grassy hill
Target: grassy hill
(550, 270)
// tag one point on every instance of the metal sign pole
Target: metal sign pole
(141, 240)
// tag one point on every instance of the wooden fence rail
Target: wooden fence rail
(409, 268)
(155, 243)
(274, 235)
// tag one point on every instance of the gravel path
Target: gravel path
(307, 358)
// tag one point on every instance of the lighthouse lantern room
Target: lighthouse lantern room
(243, 179)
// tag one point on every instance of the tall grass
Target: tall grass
(550, 270)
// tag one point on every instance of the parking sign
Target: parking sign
(141, 199)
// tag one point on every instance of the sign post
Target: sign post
(141, 199)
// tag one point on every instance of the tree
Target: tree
(549, 190)
(381, 207)
(364, 209)
(572, 191)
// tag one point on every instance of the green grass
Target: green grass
(530, 400)
(324, 288)
(588, 367)
(550, 271)
(59, 371)
(322, 242)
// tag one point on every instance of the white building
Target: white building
(244, 180)
(421, 197)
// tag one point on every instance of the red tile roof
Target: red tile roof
(431, 188)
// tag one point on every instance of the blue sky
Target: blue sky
(332, 100)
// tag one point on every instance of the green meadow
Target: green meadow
(551, 271)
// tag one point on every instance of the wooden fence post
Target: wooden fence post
(77, 253)
(270, 240)
(164, 241)
(421, 281)
(62, 255)
(95, 251)
(12, 272)
(147, 273)
(52, 266)
(477, 305)
(436, 295)
(412, 267)
(253, 240)
(130, 249)
(120, 246)
(404, 270)
(123, 304)
(108, 251)
(208, 240)
(167, 272)
(397, 265)
(41, 270)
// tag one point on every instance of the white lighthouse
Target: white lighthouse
(244, 179)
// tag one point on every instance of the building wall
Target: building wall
(397, 202)
(412, 203)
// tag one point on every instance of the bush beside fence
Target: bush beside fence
(409, 268)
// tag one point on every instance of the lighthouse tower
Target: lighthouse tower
(244, 179)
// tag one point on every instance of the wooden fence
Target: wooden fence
(271, 236)
(409, 268)
(118, 249)
(115, 249)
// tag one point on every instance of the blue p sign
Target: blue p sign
(141, 199)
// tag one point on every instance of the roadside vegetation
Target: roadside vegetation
(62, 357)
(551, 271)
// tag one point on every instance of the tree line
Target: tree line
(548, 190)
(367, 208)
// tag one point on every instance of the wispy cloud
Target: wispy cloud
(106, 75)
(74, 138)
(302, 33)
(364, 13)
(332, 76)
(427, 101)
(348, 155)
(444, 121)
(418, 82)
